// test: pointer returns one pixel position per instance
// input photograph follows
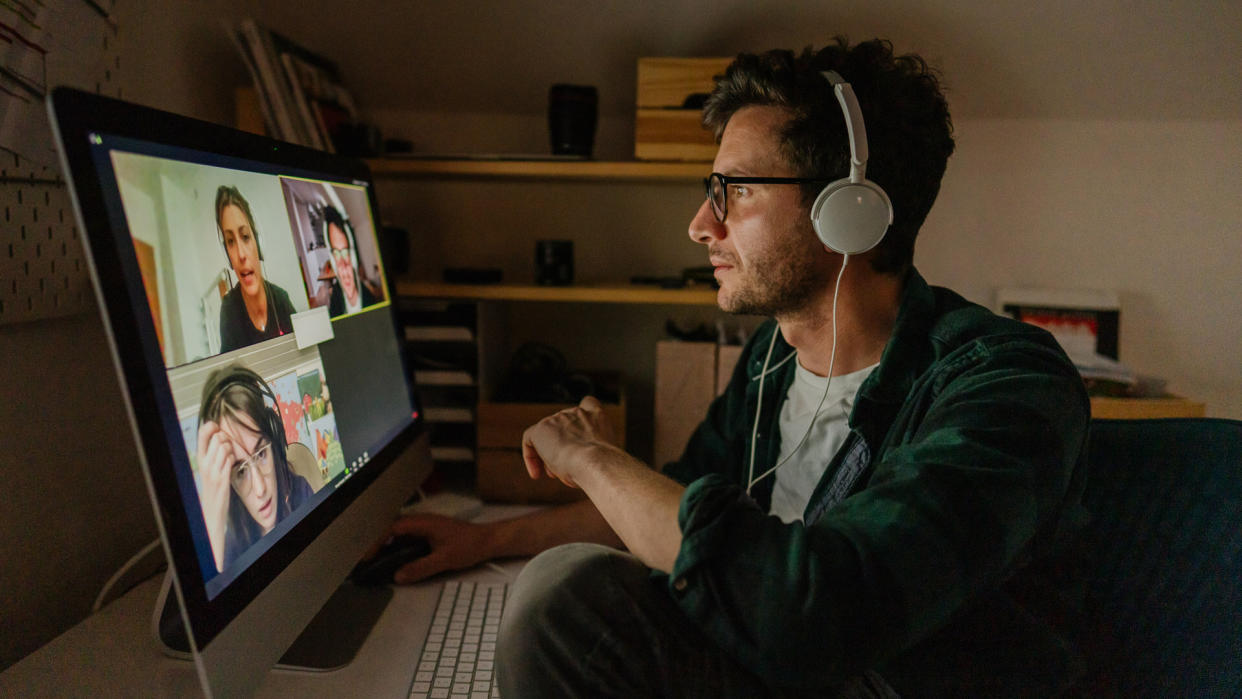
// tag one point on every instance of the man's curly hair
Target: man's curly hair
(909, 131)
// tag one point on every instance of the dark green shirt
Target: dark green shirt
(924, 551)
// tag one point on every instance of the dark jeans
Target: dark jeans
(589, 621)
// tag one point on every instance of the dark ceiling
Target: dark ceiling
(1081, 60)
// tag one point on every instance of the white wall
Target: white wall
(1149, 209)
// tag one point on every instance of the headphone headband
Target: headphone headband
(854, 124)
(851, 215)
(249, 380)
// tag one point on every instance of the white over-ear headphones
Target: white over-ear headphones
(851, 215)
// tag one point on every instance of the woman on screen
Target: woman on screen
(247, 485)
(254, 309)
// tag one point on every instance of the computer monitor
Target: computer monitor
(253, 327)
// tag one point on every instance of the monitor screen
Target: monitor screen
(268, 300)
(252, 321)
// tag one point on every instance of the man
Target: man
(349, 294)
(916, 507)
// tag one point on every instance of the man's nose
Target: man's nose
(704, 228)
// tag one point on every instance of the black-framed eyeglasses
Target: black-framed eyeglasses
(717, 186)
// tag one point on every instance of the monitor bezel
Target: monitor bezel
(76, 116)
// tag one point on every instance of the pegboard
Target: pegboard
(43, 269)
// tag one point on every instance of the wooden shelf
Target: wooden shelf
(1139, 408)
(613, 293)
(542, 169)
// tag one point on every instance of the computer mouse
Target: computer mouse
(380, 568)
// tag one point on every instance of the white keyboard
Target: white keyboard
(459, 656)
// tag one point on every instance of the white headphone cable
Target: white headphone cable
(105, 595)
(754, 431)
(832, 357)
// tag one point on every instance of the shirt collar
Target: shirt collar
(905, 356)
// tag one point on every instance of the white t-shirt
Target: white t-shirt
(797, 478)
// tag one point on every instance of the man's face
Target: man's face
(243, 250)
(767, 259)
(344, 265)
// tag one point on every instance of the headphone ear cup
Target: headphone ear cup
(277, 428)
(851, 217)
(353, 245)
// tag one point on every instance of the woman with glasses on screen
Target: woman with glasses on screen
(254, 309)
(246, 483)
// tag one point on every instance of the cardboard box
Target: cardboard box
(502, 475)
(502, 478)
(685, 384)
(668, 125)
(726, 359)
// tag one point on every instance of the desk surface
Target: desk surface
(114, 651)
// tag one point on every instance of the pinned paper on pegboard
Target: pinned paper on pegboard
(43, 44)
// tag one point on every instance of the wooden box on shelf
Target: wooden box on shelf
(1139, 408)
(668, 125)
(502, 475)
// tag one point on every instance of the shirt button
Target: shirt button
(679, 584)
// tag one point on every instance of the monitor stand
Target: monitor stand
(329, 642)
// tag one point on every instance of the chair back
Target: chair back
(303, 463)
(1163, 612)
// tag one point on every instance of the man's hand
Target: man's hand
(556, 446)
(454, 545)
(576, 447)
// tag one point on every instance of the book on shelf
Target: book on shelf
(252, 67)
(452, 453)
(443, 378)
(443, 414)
(312, 128)
(438, 333)
(301, 94)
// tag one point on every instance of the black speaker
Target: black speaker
(572, 112)
(554, 262)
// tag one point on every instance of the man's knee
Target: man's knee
(558, 583)
(557, 612)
